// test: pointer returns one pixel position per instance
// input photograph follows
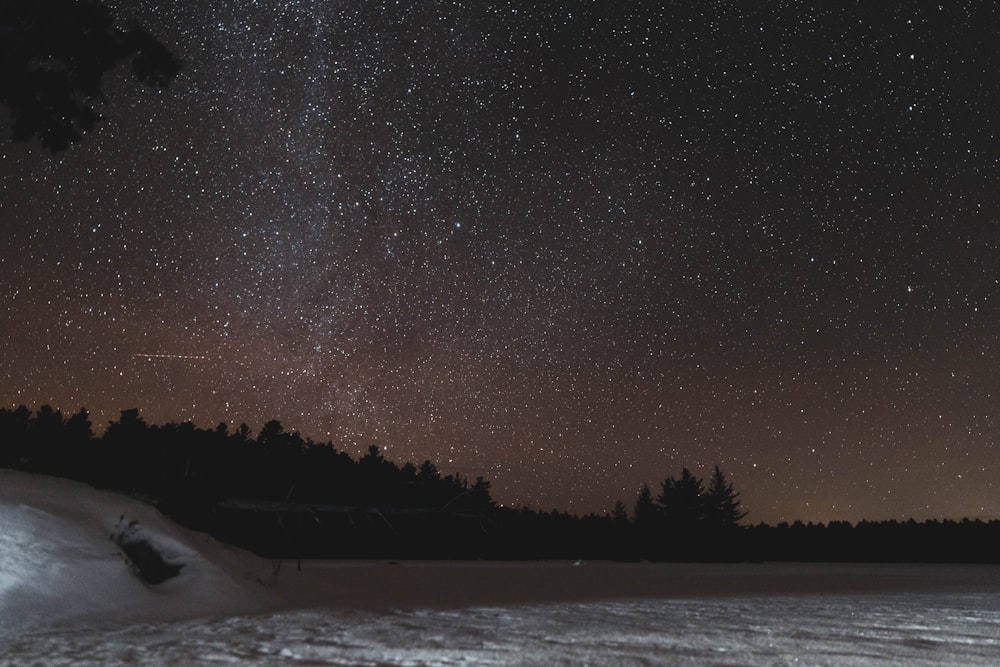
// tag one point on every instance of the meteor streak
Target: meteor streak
(168, 356)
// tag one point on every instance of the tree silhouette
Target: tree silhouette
(645, 509)
(271, 434)
(479, 495)
(47, 445)
(619, 512)
(14, 426)
(722, 503)
(680, 501)
(79, 428)
(53, 55)
(123, 461)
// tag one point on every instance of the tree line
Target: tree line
(285, 496)
(178, 464)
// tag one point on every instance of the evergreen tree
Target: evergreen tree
(479, 496)
(46, 439)
(619, 513)
(681, 501)
(645, 509)
(722, 503)
(79, 429)
(14, 425)
(271, 434)
(125, 452)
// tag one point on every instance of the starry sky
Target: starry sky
(568, 246)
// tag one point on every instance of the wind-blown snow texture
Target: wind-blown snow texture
(66, 598)
(59, 565)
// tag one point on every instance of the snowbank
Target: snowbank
(58, 562)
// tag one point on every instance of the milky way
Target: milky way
(571, 247)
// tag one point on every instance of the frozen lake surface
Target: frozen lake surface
(810, 630)
(66, 598)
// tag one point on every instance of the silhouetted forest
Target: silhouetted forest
(285, 496)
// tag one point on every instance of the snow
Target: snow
(68, 598)
(60, 564)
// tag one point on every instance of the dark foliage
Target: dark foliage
(687, 522)
(285, 496)
(681, 502)
(53, 56)
(722, 503)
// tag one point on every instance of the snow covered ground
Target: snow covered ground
(67, 598)
(856, 631)
(59, 566)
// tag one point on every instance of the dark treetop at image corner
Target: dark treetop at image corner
(53, 57)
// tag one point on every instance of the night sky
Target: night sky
(568, 246)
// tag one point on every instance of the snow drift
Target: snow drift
(61, 561)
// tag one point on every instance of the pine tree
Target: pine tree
(681, 501)
(645, 509)
(619, 512)
(722, 503)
